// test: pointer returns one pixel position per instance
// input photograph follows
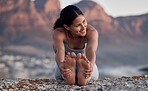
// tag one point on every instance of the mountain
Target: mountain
(134, 24)
(27, 21)
(96, 16)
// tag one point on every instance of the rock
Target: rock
(98, 85)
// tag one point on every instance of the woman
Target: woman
(75, 43)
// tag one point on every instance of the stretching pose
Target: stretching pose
(75, 43)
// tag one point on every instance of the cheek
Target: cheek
(77, 29)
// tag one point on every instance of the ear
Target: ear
(66, 27)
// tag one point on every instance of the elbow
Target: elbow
(90, 50)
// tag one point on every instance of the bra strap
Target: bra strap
(66, 36)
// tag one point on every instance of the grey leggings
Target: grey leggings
(94, 75)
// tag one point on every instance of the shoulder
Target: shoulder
(59, 33)
(91, 32)
(90, 28)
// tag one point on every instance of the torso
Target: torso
(75, 43)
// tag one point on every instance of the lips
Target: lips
(82, 31)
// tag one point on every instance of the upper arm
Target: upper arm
(92, 39)
(58, 38)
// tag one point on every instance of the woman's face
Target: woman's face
(78, 27)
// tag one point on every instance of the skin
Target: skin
(83, 64)
(70, 64)
(77, 32)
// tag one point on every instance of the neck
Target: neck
(73, 36)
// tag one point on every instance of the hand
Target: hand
(65, 72)
(88, 73)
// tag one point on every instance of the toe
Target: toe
(79, 56)
(68, 53)
(64, 60)
(73, 55)
(66, 57)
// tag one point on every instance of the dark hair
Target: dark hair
(67, 15)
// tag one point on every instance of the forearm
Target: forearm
(91, 56)
(60, 54)
(60, 58)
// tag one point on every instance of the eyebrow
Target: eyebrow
(79, 23)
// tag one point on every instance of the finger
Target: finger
(84, 57)
(87, 60)
(87, 76)
(84, 75)
(64, 70)
(67, 72)
(87, 73)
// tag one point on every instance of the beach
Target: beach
(135, 83)
(23, 73)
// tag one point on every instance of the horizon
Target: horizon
(127, 7)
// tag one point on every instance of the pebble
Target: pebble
(108, 84)
(135, 83)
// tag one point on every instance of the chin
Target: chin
(83, 34)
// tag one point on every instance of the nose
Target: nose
(83, 26)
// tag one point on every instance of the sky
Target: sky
(117, 8)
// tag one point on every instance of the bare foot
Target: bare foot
(70, 63)
(83, 65)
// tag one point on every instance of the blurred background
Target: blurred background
(26, 28)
